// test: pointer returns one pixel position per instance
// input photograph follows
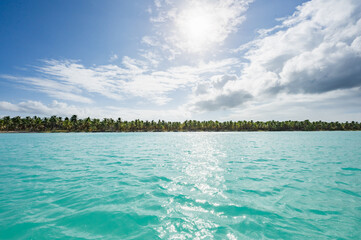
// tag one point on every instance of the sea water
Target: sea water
(246, 185)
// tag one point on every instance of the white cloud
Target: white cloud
(113, 58)
(218, 93)
(35, 107)
(338, 105)
(70, 80)
(65, 110)
(151, 41)
(157, 3)
(222, 100)
(6, 106)
(52, 88)
(316, 50)
(151, 56)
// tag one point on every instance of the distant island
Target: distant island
(74, 124)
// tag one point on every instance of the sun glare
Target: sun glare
(195, 28)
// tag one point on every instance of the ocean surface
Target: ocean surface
(247, 185)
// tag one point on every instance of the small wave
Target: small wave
(351, 169)
(105, 222)
(233, 210)
(324, 213)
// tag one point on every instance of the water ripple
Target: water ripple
(288, 185)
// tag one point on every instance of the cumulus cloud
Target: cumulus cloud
(6, 106)
(316, 50)
(218, 93)
(339, 105)
(223, 100)
(216, 82)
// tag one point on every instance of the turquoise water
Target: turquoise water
(261, 185)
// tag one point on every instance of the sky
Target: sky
(183, 59)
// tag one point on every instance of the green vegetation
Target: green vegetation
(58, 124)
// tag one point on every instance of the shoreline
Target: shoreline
(177, 131)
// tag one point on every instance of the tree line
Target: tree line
(74, 124)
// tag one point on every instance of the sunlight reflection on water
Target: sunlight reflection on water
(287, 185)
(201, 170)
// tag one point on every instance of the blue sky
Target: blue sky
(177, 60)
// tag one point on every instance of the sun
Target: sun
(195, 29)
(201, 26)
